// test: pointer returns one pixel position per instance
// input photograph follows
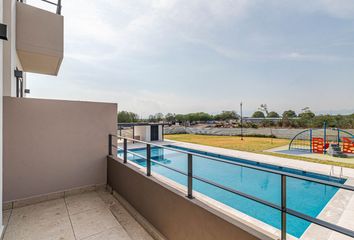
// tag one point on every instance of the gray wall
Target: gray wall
(170, 212)
(52, 145)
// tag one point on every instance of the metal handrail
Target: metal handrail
(292, 140)
(292, 175)
(58, 5)
(282, 208)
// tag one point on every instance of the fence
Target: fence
(191, 176)
(287, 133)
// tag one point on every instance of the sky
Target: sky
(184, 56)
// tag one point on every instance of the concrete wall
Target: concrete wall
(141, 132)
(169, 211)
(52, 145)
(1, 115)
(39, 39)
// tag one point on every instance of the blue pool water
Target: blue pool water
(303, 196)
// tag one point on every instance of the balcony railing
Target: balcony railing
(57, 4)
(189, 174)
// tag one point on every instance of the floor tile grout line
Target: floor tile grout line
(69, 215)
(104, 205)
(125, 229)
(109, 206)
(82, 211)
(5, 228)
(116, 203)
(71, 223)
(98, 233)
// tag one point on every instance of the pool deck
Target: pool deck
(339, 211)
(285, 150)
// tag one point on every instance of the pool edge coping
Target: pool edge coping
(260, 158)
(252, 225)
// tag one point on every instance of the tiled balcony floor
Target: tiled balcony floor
(95, 215)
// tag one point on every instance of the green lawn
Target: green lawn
(249, 144)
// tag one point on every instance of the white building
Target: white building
(145, 131)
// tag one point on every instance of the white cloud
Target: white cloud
(297, 56)
(114, 46)
(141, 26)
(334, 8)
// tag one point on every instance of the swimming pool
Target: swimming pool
(303, 196)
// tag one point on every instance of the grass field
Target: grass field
(249, 144)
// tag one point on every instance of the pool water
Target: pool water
(303, 196)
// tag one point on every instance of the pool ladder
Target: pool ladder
(331, 172)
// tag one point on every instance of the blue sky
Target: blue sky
(196, 55)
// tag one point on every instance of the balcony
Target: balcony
(60, 184)
(90, 215)
(39, 39)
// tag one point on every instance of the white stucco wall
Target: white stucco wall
(148, 133)
(144, 132)
(160, 132)
(1, 114)
(141, 132)
(10, 58)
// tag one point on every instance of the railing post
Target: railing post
(190, 176)
(324, 137)
(148, 159)
(59, 7)
(283, 207)
(125, 150)
(110, 144)
(310, 140)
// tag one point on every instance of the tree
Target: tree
(170, 117)
(258, 114)
(273, 114)
(226, 115)
(152, 118)
(199, 116)
(127, 117)
(289, 114)
(159, 117)
(264, 108)
(267, 123)
(180, 118)
(306, 114)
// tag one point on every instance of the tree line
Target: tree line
(305, 119)
(124, 117)
(288, 119)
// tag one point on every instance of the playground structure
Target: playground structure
(338, 141)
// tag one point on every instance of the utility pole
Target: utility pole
(324, 137)
(241, 121)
